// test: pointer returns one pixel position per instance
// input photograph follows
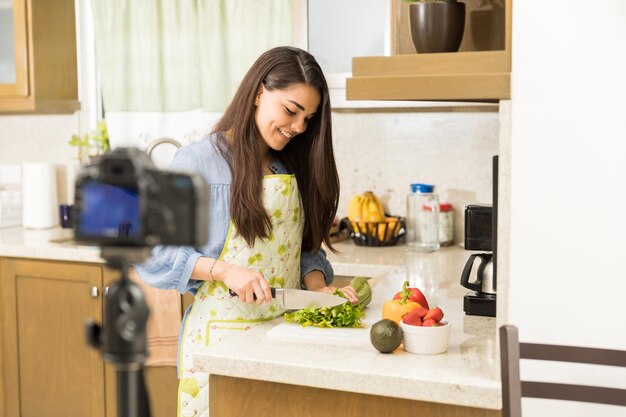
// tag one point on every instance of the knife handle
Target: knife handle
(234, 294)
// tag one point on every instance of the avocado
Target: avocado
(386, 335)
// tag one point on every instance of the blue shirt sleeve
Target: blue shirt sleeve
(311, 262)
(170, 267)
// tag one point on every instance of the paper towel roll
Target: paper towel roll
(39, 196)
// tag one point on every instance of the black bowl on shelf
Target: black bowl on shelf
(374, 234)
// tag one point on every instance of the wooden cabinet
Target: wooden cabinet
(238, 397)
(47, 367)
(481, 70)
(39, 68)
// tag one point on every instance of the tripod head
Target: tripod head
(123, 339)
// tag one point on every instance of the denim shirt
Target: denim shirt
(170, 267)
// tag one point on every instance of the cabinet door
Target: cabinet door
(13, 49)
(49, 369)
(161, 381)
(38, 59)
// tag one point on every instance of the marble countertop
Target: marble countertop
(52, 244)
(465, 375)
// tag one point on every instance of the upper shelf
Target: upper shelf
(479, 75)
(480, 71)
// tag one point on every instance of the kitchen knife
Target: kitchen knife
(292, 299)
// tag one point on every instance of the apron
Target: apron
(215, 313)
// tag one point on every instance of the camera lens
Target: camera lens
(155, 221)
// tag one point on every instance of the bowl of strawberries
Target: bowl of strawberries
(425, 332)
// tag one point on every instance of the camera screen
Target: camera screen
(109, 211)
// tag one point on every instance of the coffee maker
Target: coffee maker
(481, 235)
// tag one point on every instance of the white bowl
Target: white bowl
(426, 340)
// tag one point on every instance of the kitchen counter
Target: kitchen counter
(466, 375)
(52, 244)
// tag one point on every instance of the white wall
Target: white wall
(379, 150)
(568, 167)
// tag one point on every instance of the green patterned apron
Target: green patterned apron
(215, 313)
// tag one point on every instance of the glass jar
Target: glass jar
(422, 218)
(446, 224)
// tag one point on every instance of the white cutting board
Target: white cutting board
(291, 332)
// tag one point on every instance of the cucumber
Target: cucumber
(363, 291)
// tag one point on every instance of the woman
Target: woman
(273, 196)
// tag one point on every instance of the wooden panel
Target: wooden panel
(10, 374)
(430, 87)
(58, 374)
(54, 54)
(432, 64)
(162, 384)
(236, 397)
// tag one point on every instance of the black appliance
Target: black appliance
(481, 226)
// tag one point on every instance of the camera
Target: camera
(123, 200)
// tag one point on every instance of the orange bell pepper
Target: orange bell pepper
(396, 309)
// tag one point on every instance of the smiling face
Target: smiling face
(283, 114)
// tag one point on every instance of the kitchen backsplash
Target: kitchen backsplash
(385, 151)
(380, 150)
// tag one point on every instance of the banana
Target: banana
(365, 208)
(354, 208)
(372, 210)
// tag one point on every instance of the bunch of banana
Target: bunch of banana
(366, 207)
(365, 211)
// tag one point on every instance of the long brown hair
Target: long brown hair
(309, 156)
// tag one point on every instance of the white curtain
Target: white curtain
(168, 66)
(178, 55)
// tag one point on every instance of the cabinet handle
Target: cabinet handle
(94, 292)
(106, 290)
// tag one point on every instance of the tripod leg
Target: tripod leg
(132, 395)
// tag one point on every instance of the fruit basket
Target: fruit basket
(385, 233)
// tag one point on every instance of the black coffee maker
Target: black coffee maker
(481, 235)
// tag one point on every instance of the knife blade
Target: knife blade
(293, 299)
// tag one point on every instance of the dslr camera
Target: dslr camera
(123, 200)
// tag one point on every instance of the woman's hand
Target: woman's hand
(245, 282)
(348, 291)
(314, 281)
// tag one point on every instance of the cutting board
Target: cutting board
(291, 332)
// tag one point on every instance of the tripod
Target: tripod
(122, 337)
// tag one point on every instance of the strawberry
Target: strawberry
(434, 314)
(429, 323)
(413, 318)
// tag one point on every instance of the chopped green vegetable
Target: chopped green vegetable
(343, 315)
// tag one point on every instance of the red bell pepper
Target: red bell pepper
(414, 294)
